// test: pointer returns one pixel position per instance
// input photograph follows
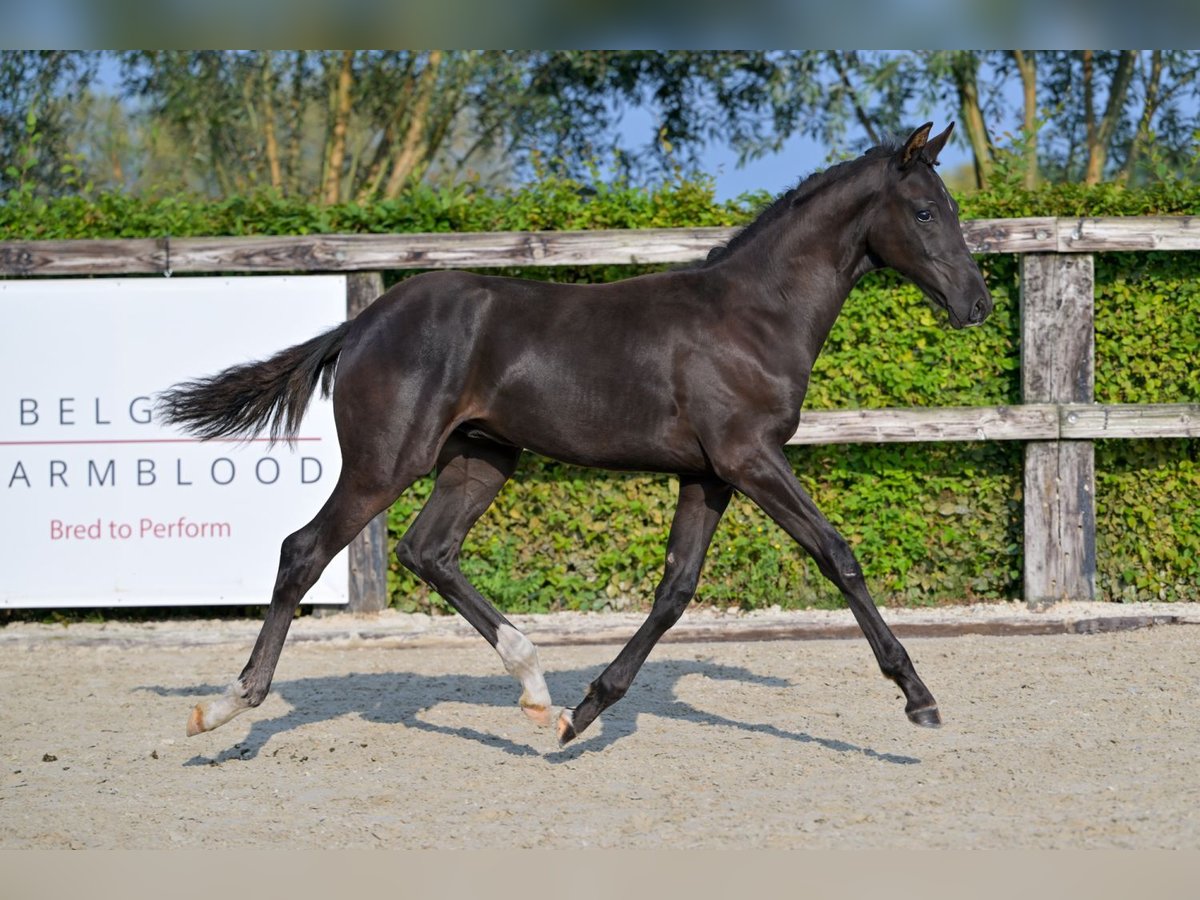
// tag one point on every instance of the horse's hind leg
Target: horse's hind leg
(702, 502)
(470, 474)
(302, 558)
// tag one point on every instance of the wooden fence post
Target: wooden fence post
(368, 552)
(1058, 366)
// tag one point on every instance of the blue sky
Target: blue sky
(799, 157)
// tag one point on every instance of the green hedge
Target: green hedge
(555, 204)
(931, 523)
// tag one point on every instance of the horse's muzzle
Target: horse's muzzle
(962, 317)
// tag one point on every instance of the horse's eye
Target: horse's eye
(924, 215)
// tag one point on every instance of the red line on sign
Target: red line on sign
(149, 441)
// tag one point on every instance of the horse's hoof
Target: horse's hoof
(566, 728)
(929, 717)
(195, 724)
(538, 715)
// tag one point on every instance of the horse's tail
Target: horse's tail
(243, 400)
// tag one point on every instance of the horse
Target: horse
(698, 372)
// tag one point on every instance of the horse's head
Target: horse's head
(916, 232)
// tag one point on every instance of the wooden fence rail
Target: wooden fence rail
(1027, 422)
(374, 252)
(1057, 417)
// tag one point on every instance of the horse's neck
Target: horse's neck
(818, 253)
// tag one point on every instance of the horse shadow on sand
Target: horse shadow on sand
(410, 699)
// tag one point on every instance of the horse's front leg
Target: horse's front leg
(701, 503)
(765, 476)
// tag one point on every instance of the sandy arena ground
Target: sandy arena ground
(402, 731)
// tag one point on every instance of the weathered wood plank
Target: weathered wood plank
(362, 288)
(1041, 564)
(1129, 420)
(1129, 233)
(368, 552)
(1057, 328)
(373, 252)
(1011, 235)
(348, 252)
(1060, 522)
(356, 252)
(1077, 524)
(368, 568)
(1027, 422)
(140, 256)
(868, 426)
(1058, 366)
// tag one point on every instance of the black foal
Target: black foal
(699, 372)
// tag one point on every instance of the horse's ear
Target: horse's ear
(913, 146)
(935, 145)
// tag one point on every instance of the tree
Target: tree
(1087, 95)
(37, 91)
(1100, 133)
(1026, 63)
(1076, 108)
(331, 125)
(1166, 82)
(334, 126)
(752, 100)
(963, 70)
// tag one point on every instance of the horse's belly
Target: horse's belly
(607, 443)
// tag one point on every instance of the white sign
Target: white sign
(100, 505)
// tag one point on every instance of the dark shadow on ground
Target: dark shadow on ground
(403, 698)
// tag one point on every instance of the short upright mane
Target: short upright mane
(794, 197)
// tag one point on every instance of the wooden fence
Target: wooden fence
(1057, 417)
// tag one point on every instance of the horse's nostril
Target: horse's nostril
(978, 311)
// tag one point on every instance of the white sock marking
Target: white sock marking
(521, 661)
(222, 709)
